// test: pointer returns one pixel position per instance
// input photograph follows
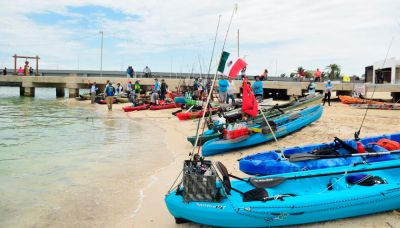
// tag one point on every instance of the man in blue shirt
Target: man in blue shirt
(222, 89)
(109, 93)
(258, 88)
(328, 91)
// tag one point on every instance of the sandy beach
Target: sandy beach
(337, 120)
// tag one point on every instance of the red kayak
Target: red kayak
(164, 106)
(105, 102)
(136, 108)
(192, 115)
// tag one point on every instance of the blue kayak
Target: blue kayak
(300, 198)
(307, 157)
(284, 126)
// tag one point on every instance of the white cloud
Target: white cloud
(286, 34)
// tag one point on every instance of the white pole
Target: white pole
(101, 55)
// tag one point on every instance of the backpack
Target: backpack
(388, 144)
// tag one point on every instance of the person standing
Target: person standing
(222, 89)
(93, 91)
(264, 75)
(109, 93)
(317, 75)
(163, 89)
(5, 71)
(231, 91)
(328, 92)
(128, 89)
(129, 72)
(258, 89)
(311, 87)
(137, 89)
(30, 71)
(157, 86)
(243, 73)
(20, 71)
(302, 74)
(147, 72)
(119, 89)
(200, 88)
(208, 87)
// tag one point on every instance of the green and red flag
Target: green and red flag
(230, 65)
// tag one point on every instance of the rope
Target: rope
(357, 134)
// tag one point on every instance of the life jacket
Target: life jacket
(388, 144)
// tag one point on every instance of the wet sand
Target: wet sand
(337, 120)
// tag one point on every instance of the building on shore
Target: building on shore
(382, 72)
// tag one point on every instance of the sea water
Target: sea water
(69, 163)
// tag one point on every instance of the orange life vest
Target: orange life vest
(388, 144)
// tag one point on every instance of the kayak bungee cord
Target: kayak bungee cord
(357, 134)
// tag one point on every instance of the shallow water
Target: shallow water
(64, 163)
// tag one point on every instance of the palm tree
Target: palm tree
(333, 71)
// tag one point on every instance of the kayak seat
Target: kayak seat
(257, 194)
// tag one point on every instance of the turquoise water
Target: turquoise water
(55, 153)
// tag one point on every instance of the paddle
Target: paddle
(278, 180)
(308, 156)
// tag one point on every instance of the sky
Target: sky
(178, 36)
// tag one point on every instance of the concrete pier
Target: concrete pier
(74, 83)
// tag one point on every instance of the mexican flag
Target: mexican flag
(230, 65)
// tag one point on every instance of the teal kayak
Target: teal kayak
(287, 199)
(284, 126)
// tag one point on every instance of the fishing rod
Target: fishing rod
(208, 73)
(215, 76)
(357, 133)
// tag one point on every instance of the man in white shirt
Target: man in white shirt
(147, 72)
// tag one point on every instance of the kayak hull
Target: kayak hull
(164, 106)
(136, 108)
(310, 200)
(308, 115)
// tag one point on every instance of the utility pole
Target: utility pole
(101, 55)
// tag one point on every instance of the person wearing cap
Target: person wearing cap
(222, 89)
(163, 89)
(258, 89)
(311, 87)
(93, 91)
(328, 92)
